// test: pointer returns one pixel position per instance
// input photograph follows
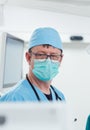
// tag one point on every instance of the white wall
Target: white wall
(24, 21)
(74, 81)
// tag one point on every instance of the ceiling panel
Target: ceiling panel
(76, 7)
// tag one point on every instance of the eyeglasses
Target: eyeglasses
(56, 57)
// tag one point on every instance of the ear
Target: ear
(28, 57)
(61, 58)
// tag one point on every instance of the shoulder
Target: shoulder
(60, 94)
(16, 92)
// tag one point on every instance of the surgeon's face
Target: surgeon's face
(43, 52)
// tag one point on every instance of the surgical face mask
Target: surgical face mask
(45, 70)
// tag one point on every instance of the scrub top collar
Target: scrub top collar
(54, 94)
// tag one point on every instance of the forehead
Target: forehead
(46, 49)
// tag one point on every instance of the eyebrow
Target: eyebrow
(53, 53)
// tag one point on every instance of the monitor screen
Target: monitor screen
(11, 60)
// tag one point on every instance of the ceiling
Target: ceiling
(76, 7)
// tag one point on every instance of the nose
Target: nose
(48, 57)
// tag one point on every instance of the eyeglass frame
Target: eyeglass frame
(46, 56)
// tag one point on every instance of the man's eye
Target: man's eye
(40, 54)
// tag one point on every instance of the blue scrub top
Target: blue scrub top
(23, 92)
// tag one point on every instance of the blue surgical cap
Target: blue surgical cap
(45, 35)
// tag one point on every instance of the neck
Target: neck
(43, 86)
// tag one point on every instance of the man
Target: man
(44, 58)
